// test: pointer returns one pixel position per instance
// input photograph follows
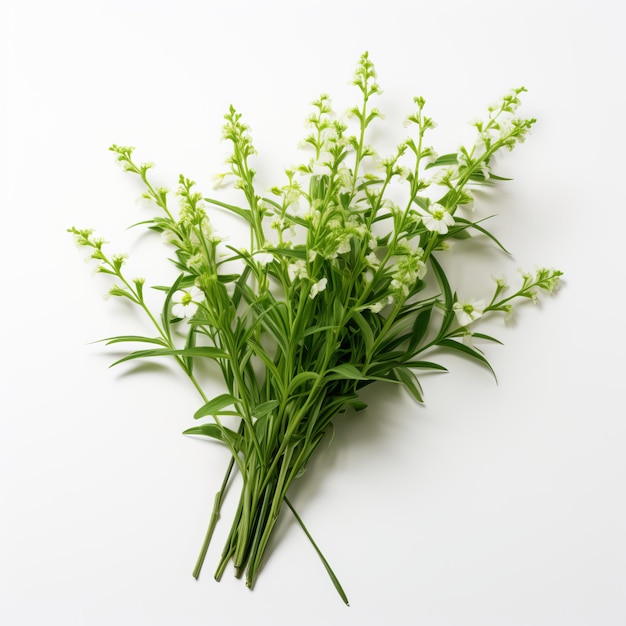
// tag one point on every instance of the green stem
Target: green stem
(327, 566)
(215, 515)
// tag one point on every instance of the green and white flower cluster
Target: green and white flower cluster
(341, 286)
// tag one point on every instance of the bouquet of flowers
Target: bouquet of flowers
(341, 286)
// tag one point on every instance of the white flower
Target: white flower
(344, 246)
(221, 180)
(278, 224)
(377, 307)
(320, 285)
(438, 219)
(186, 302)
(462, 157)
(443, 176)
(196, 261)
(468, 312)
(467, 200)
(297, 270)
(372, 260)
(400, 285)
(501, 282)
(429, 155)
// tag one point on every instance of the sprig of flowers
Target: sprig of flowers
(340, 287)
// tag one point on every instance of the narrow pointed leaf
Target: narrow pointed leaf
(214, 406)
(264, 409)
(409, 380)
(471, 352)
(134, 338)
(349, 371)
(225, 435)
(425, 365)
(487, 338)
(420, 326)
(366, 332)
(202, 351)
(444, 159)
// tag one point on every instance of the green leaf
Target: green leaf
(420, 326)
(366, 332)
(347, 370)
(327, 566)
(215, 406)
(259, 351)
(424, 365)
(295, 253)
(166, 303)
(487, 338)
(228, 278)
(203, 351)
(448, 300)
(448, 296)
(301, 378)
(241, 286)
(223, 434)
(317, 329)
(134, 338)
(459, 234)
(264, 409)
(444, 159)
(471, 352)
(189, 344)
(246, 214)
(357, 405)
(493, 176)
(409, 380)
(484, 231)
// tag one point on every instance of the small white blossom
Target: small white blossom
(438, 219)
(372, 260)
(500, 281)
(313, 215)
(468, 312)
(443, 176)
(297, 270)
(344, 246)
(222, 180)
(377, 307)
(400, 285)
(278, 224)
(196, 261)
(467, 200)
(429, 155)
(186, 302)
(320, 285)
(462, 158)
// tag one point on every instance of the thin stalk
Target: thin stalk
(215, 515)
(327, 566)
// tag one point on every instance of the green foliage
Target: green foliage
(341, 287)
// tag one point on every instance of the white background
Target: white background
(493, 505)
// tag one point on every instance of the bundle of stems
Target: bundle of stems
(340, 287)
